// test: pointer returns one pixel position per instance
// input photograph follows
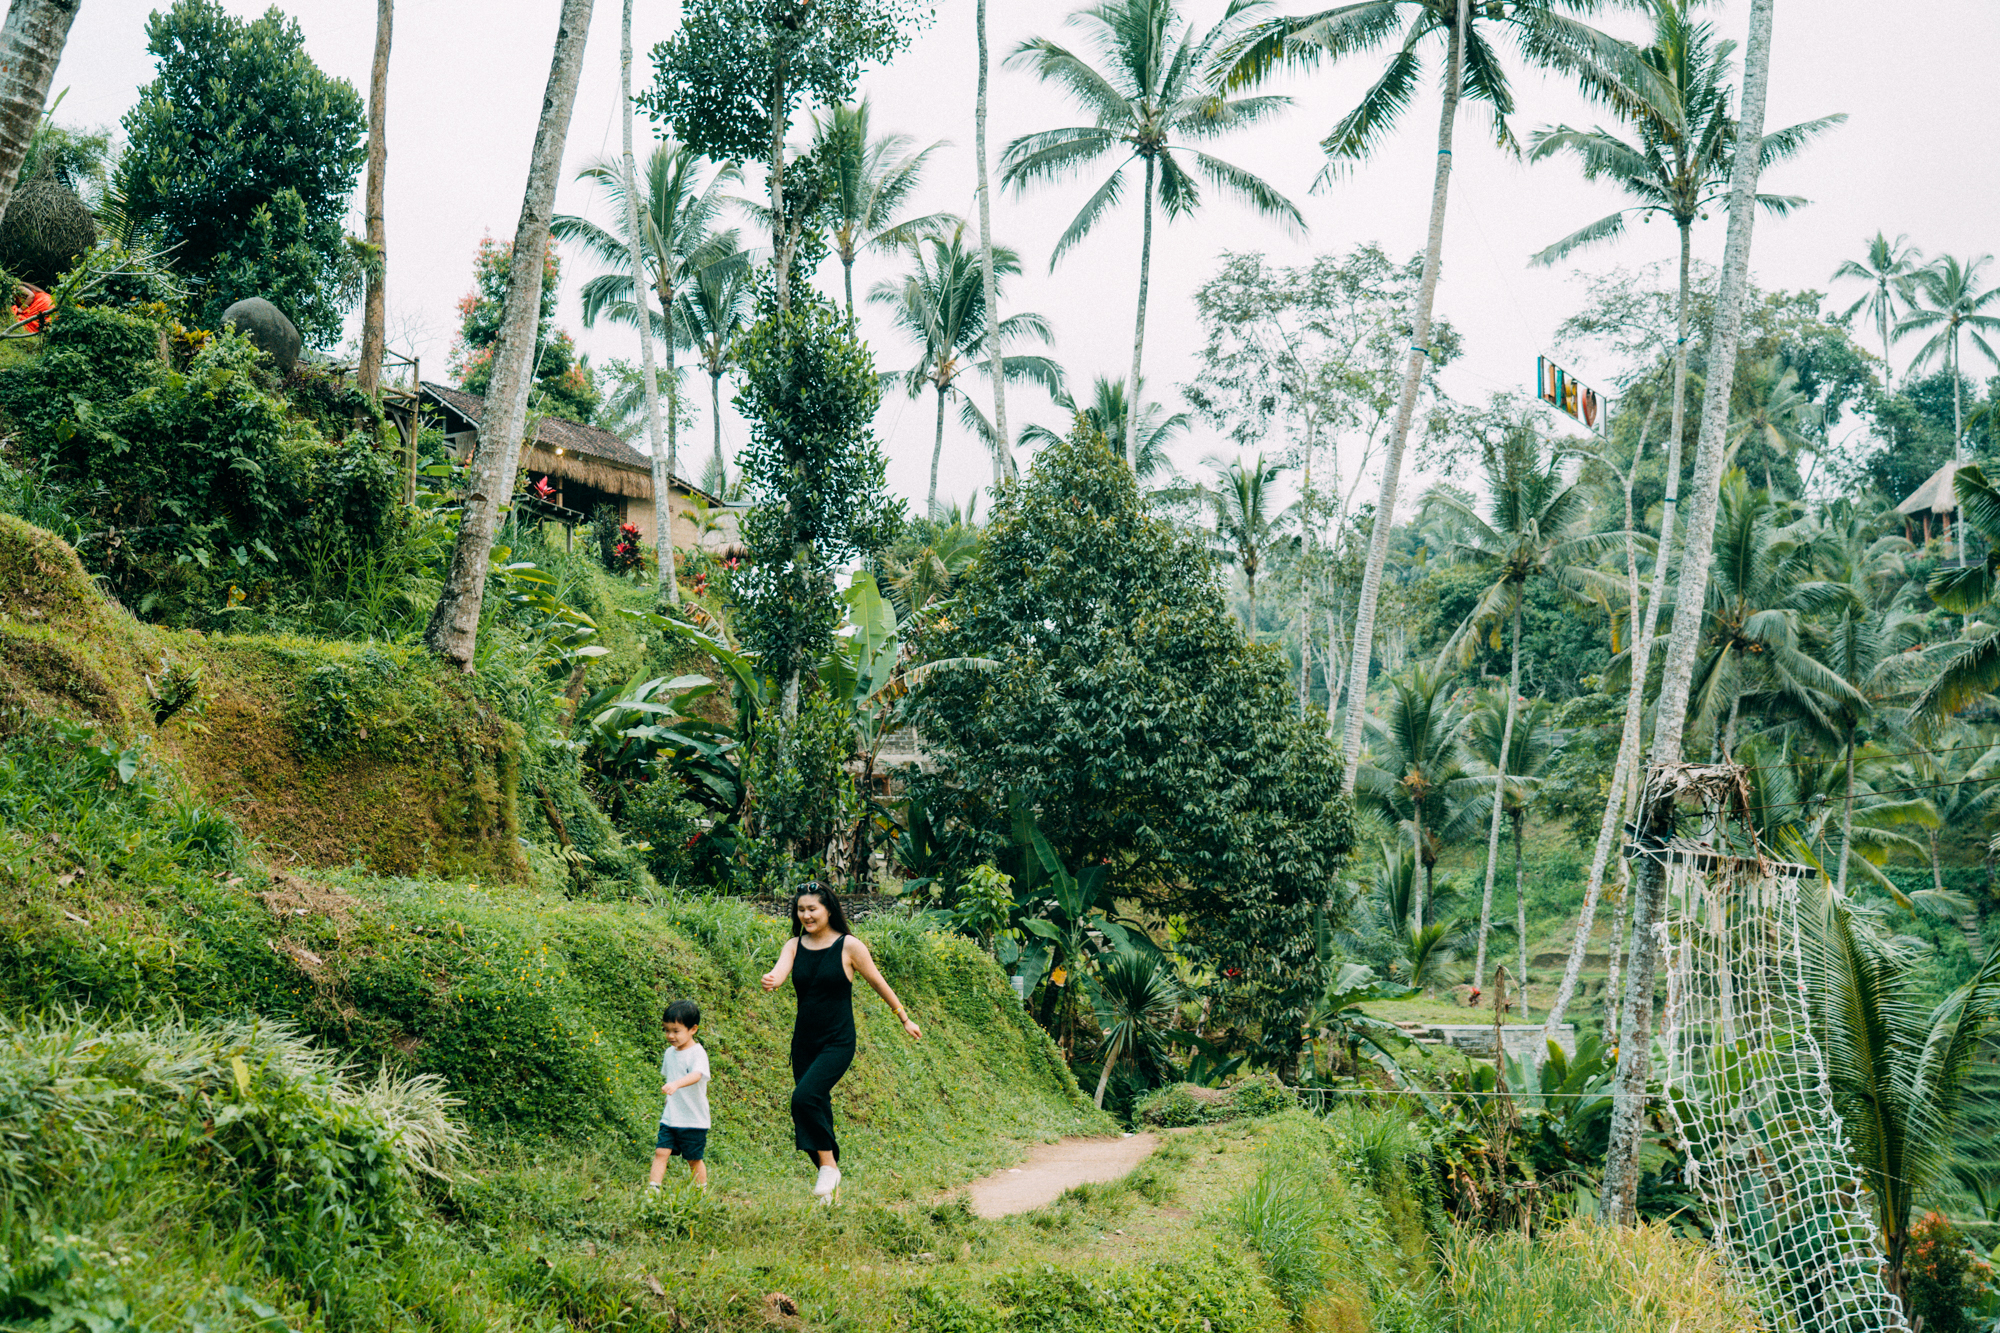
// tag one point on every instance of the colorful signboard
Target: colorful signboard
(1569, 395)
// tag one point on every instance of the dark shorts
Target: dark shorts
(688, 1143)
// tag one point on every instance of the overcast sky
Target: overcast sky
(467, 76)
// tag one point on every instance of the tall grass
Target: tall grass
(1587, 1279)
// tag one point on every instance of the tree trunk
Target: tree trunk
(781, 259)
(715, 414)
(1422, 894)
(847, 281)
(1406, 406)
(1003, 453)
(1520, 914)
(31, 46)
(1618, 802)
(1617, 1203)
(374, 305)
(1847, 822)
(453, 632)
(1499, 791)
(1250, 587)
(635, 231)
(1129, 428)
(1608, 1020)
(1104, 1079)
(937, 453)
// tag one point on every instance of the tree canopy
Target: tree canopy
(243, 155)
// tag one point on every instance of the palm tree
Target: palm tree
(669, 237)
(1891, 269)
(1417, 776)
(1105, 413)
(1151, 97)
(1951, 305)
(941, 304)
(714, 312)
(1760, 592)
(1897, 1069)
(636, 219)
(1771, 410)
(1531, 532)
(869, 182)
(453, 630)
(1246, 527)
(1618, 1200)
(1546, 38)
(1517, 768)
(1136, 1001)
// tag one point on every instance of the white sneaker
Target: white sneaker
(828, 1182)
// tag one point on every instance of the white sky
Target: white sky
(467, 76)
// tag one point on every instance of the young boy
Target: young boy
(684, 1120)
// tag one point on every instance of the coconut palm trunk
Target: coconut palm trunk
(31, 46)
(1520, 914)
(1003, 454)
(1500, 790)
(1131, 425)
(663, 489)
(1847, 823)
(1363, 648)
(1617, 1202)
(715, 417)
(1615, 805)
(374, 304)
(937, 450)
(453, 631)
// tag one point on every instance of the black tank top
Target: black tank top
(826, 996)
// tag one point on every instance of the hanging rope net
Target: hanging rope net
(1746, 1090)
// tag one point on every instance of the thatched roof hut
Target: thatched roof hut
(1936, 498)
(589, 467)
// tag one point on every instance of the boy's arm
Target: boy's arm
(699, 1074)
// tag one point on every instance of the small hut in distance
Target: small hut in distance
(586, 467)
(1933, 502)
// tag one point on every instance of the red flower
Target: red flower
(542, 488)
(632, 528)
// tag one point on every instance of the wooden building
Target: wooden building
(586, 467)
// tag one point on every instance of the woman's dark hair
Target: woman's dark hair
(834, 916)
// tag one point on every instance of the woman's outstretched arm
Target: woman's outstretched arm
(864, 963)
(776, 976)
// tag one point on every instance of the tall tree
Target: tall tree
(941, 305)
(1547, 38)
(870, 179)
(31, 46)
(1152, 96)
(1676, 165)
(1891, 270)
(1772, 413)
(1618, 1201)
(1952, 307)
(1003, 457)
(663, 453)
(1530, 532)
(374, 302)
(732, 77)
(453, 632)
(241, 157)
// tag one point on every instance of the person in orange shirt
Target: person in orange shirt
(32, 313)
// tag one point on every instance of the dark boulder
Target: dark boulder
(264, 324)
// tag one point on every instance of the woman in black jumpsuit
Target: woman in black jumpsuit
(821, 958)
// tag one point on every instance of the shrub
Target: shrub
(1216, 1292)
(668, 823)
(1946, 1279)
(1181, 1104)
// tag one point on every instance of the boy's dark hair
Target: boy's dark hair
(835, 917)
(685, 1012)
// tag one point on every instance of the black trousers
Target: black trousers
(814, 1072)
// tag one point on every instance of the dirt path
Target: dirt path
(1051, 1168)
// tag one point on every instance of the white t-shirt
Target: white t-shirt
(688, 1107)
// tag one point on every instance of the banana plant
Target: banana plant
(1337, 1018)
